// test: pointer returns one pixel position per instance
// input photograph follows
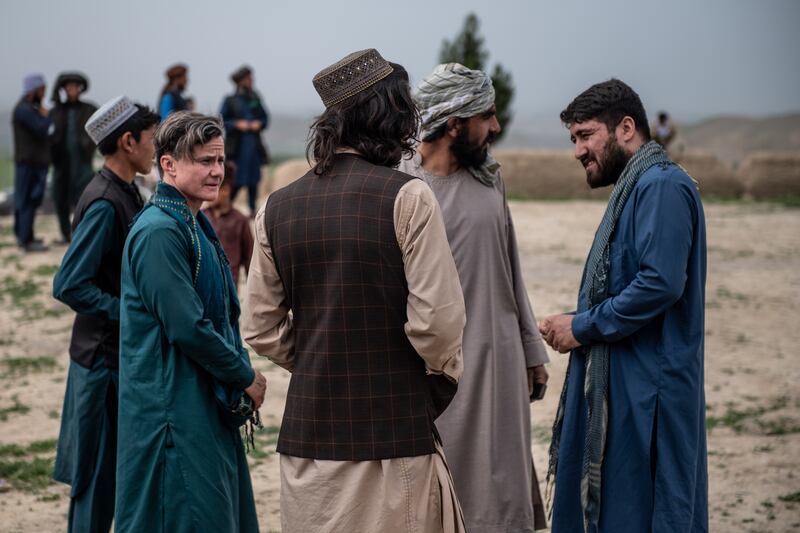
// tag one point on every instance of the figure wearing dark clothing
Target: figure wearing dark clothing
(31, 159)
(71, 147)
(171, 98)
(245, 118)
(89, 282)
(172, 101)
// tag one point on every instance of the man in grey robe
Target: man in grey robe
(486, 430)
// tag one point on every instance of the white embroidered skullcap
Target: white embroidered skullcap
(109, 117)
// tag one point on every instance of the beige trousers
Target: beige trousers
(402, 495)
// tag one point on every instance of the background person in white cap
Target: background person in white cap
(89, 282)
(31, 158)
(487, 429)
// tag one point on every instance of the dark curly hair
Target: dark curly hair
(379, 122)
(608, 102)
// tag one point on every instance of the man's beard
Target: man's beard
(469, 154)
(609, 169)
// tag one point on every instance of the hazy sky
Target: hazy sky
(692, 57)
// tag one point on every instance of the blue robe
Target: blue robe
(247, 153)
(181, 467)
(654, 475)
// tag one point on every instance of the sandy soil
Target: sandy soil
(752, 368)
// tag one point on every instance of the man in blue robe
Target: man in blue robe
(245, 118)
(186, 383)
(629, 441)
(89, 282)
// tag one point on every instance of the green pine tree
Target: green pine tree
(468, 49)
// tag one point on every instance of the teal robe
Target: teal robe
(180, 466)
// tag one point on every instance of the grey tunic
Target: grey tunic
(486, 430)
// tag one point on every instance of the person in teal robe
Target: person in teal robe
(181, 463)
(88, 281)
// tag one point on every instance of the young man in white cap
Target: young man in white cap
(31, 159)
(89, 282)
(487, 429)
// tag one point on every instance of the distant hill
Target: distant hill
(730, 138)
(733, 138)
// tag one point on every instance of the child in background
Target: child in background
(232, 227)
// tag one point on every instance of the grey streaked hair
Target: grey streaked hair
(181, 132)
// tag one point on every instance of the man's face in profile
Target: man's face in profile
(474, 138)
(598, 151)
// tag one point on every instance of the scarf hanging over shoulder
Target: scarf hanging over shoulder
(453, 90)
(594, 285)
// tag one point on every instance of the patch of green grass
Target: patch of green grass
(20, 366)
(794, 497)
(782, 426)
(36, 311)
(47, 271)
(49, 497)
(11, 259)
(16, 409)
(43, 446)
(19, 291)
(35, 447)
(265, 440)
(6, 171)
(735, 419)
(28, 475)
(541, 434)
(12, 450)
(724, 292)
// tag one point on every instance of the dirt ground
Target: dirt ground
(752, 369)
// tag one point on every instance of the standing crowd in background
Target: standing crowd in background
(54, 141)
(387, 280)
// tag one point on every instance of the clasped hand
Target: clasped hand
(557, 332)
(257, 389)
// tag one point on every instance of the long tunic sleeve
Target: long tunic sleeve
(665, 218)
(267, 321)
(34, 121)
(435, 308)
(169, 294)
(435, 305)
(74, 282)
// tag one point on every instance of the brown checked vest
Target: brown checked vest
(359, 390)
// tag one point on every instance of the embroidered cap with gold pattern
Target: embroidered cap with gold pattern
(350, 76)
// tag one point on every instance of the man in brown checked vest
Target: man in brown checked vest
(358, 253)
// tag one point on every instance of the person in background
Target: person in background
(664, 130)
(232, 227)
(31, 124)
(171, 98)
(71, 147)
(89, 282)
(245, 118)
